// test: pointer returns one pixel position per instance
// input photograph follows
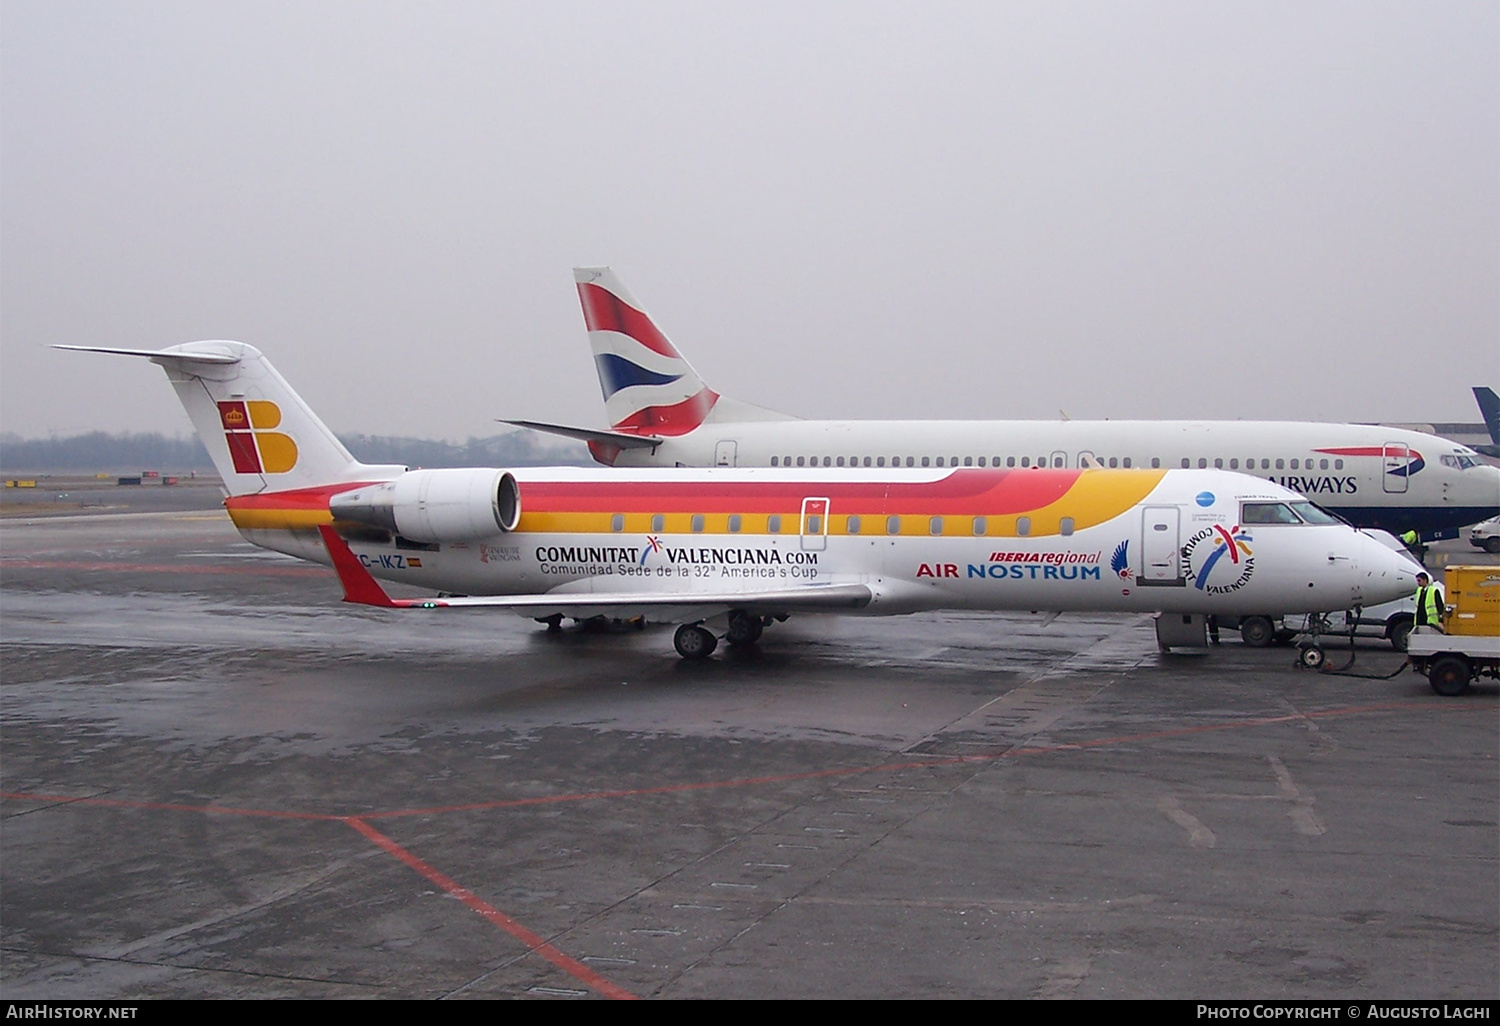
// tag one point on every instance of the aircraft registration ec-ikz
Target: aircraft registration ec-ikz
(734, 549)
(663, 414)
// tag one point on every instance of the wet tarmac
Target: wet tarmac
(220, 781)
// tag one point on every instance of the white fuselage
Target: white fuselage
(1111, 541)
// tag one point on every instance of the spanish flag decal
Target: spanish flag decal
(253, 446)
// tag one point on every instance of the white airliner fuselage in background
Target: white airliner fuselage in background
(663, 415)
(743, 547)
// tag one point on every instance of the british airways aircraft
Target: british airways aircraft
(662, 414)
(733, 550)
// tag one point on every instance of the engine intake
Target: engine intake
(436, 505)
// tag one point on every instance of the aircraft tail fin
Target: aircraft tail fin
(649, 388)
(258, 431)
(1489, 408)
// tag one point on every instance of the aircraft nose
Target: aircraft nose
(1388, 574)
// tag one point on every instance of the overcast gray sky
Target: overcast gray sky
(1238, 210)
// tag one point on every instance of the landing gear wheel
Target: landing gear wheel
(1449, 676)
(744, 629)
(694, 642)
(1257, 631)
(1400, 634)
(1312, 657)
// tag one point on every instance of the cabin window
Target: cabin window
(867, 461)
(1322, 464)
(926, 461)
(1186, 463)
(617, 522)
(952, 461)
(1280, 464)
(657, 522)
(1125, 462)
(1265, 464)
(1338, 464)
(1234, 464)
(911, 461)
(935, 525)
(697, 523)
(1294, 464)
(1010, 461)
(1218, 464)
(814, 524)
(1065, 527)
(734, 523)
(773, 461)
(801, 460)
(1202, 463)
(1057, 461)
(1155, 462)
(981, 525)
(940, 461)
(880, 461)
(852, 525)
(841, 461)
(969, 461)
(892, 525)
(1023, 526)
(827, 461)
(1025, 461)
(773, 523)
(981, 461)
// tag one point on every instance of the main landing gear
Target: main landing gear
(694, 641)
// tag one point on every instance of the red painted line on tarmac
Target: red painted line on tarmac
(161, 568)
(534, 943)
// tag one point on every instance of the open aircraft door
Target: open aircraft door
(1161, 549)
(814, 525)
(1397, 466)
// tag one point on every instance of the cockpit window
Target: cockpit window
(1267, 513)
(1314, 514)
(1460, 461)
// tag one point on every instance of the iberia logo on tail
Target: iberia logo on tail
(254, 447)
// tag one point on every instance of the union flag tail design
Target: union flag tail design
(648, 387)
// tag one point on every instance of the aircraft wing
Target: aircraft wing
(362, 588)
(624, 441)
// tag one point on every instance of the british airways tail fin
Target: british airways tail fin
(649, 389)
(258, 431)
(1489, 409)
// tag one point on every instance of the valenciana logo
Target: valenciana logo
(1219, 560)
(253, 446)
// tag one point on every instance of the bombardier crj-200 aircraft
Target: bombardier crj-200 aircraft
(735, 549)
(662, 414)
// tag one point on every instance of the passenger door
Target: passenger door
(1395, 465)
(725, 453)
(1161, 547)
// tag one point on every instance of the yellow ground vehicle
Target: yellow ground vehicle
(1471, 646)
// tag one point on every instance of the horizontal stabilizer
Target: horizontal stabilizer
(157, 354)
(624, 441)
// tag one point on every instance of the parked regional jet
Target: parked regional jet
(739, 548)
(663, 414)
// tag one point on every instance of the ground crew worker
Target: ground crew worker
(1429, 604)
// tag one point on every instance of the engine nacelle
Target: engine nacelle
(436, 505)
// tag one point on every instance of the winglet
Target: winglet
(359, 585)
